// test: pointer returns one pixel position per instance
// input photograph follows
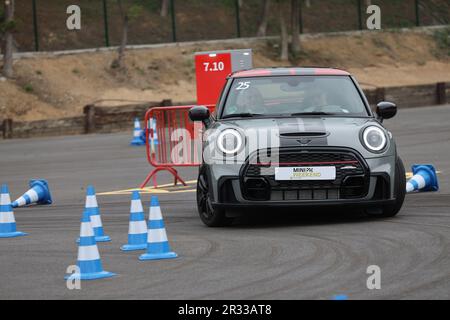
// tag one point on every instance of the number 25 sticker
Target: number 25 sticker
(243, 85)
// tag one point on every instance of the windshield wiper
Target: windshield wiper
(241, 115)
(313, 114)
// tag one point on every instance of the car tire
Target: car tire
(399, 192)
(210, 216)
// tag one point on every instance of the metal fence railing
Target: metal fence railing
(41, 25)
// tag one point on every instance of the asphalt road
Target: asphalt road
(278, 255)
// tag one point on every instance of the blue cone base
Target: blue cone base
(90, 276)
(340, 297)
(133, 247)
(98, 239)
(137, 142)
(12, 234)
(157, 256)
(102, 238)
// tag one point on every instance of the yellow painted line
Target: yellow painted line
(168, 191)
(129, 192)
(161, 189)
(170, 185)
(156, 191)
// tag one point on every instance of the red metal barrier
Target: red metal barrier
(179, 141)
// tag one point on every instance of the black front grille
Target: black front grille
(351, 176)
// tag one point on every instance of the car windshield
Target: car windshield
(293, 96)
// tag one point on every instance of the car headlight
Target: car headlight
(229, 141)
(374, 138)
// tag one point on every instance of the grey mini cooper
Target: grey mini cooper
(292, 137)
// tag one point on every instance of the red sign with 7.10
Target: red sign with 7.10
(211, 72)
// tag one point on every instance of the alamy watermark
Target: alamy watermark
(374, 280)
(73, 283)
(73, 21)
(373, 22)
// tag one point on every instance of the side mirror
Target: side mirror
(386, 110)
(199, 113)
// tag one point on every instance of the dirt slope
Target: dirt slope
(52, 87)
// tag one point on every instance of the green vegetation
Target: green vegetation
(151, 6)
(442, 38)
(134, 11)
(28, 88)
(6, 26)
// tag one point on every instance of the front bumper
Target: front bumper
(229, 191)
(291, 204)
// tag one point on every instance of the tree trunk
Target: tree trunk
(284, 54)
(262, 29)
(295, 19)
(8, 40)
(123, 43)
(164, 8)
(120, 61)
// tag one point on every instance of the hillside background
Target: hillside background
(53, 86)
(203, 20)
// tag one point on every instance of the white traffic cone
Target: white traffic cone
(157, 244)
(7, 220)
(137, 140)
(88, 261)
(137, 230)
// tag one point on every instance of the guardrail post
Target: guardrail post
(35, 27)
(417, 9)
(300, 13)
(105, 22)
(174, 25)
(89, 124)
(238, 18)
(441, 94)
(7, 128)
(359, 7)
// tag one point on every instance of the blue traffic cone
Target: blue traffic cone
(424, 179)
(137, 230)
(38, 193)
(157, 244)
(155, 140)
(7, 220)
(137, 141)
(143, 136)
(88, 262)
(96, 220)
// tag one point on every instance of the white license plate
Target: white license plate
(305, 173)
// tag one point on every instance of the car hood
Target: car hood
(311, 132)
